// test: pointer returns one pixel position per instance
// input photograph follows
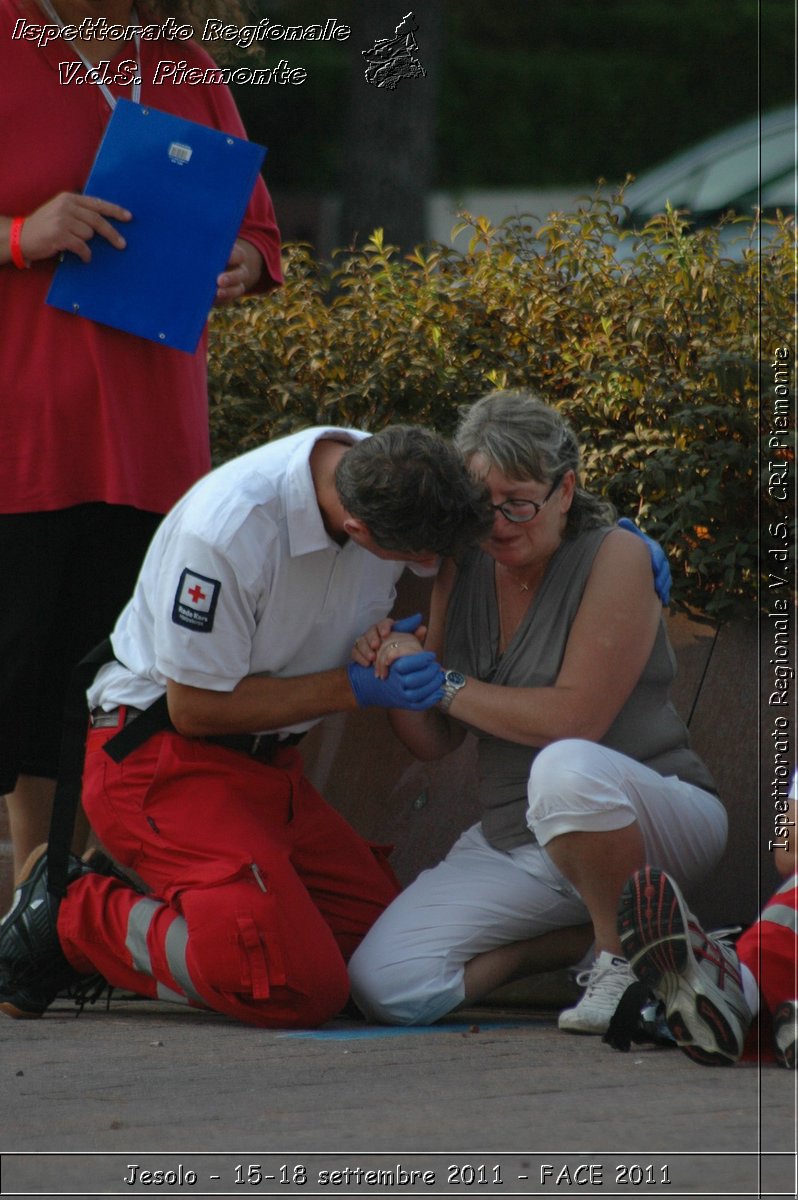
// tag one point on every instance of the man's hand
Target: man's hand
(414, 682)
(68, 222)
(241, 273)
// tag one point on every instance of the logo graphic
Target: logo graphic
(195, 601)
(392, 59)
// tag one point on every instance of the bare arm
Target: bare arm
(258, 702)
(428, 735)
(608, 647)
(265, 702)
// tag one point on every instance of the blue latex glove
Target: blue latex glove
(414, 682)
(408, 624)
(659, 561)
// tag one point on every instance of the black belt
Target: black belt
(262, 746)
(131, 733)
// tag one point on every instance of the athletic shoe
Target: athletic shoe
(33, 969)
(604, 984)
(695, 974)
(785, 1033)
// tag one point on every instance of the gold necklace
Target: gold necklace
(522, 586)
(505, 634)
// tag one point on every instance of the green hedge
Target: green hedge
(655, 358)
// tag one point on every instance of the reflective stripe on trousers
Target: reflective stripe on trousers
(141, 917)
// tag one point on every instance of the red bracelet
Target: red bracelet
(14, 235)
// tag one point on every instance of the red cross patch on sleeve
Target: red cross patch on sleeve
(195, 601)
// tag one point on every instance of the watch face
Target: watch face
(455, 678)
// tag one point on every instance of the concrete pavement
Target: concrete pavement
(498, 1103)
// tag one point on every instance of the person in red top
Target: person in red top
(100, 431)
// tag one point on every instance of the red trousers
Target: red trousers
(770, 951)
(260, 890)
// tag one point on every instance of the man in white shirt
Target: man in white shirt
(239, 635)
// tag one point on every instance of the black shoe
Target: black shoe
(33, 969)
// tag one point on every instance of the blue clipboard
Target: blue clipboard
(187, 187)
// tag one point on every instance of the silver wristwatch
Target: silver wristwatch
(452, 682)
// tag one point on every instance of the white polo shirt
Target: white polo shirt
(242, 579)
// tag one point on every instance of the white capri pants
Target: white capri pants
(409, 968)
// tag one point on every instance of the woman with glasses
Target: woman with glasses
(557, 659)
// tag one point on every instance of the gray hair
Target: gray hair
(525, 438)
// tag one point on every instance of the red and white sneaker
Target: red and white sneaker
(694, 974)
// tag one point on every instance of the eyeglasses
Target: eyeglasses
(521, 511)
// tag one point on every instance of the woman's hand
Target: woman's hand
(396, 645)
(393, 639)
(241, 273)
(68, 222)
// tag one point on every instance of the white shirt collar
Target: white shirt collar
(306, 532)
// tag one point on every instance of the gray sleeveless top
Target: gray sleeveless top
(647, 728)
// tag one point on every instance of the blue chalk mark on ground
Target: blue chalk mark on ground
(358, 1033)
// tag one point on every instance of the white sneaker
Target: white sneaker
(695, 974)
(604, 984)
